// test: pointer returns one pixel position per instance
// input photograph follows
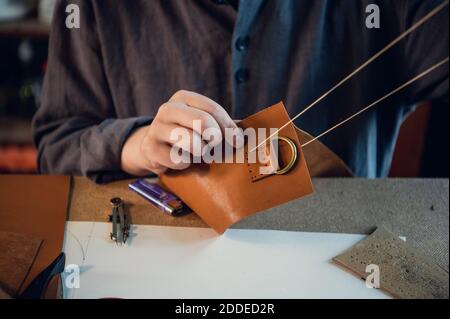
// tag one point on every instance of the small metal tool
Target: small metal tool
(120, 221)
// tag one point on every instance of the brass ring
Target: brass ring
(291, 163)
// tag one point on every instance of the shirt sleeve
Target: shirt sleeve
(425, 47)
(76, 130)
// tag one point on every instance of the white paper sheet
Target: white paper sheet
(178, 262)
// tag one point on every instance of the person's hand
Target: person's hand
(148, 148)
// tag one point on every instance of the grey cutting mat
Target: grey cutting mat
(415, 208)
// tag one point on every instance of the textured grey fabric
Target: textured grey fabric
(415, 208)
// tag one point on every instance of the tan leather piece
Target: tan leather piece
(404, 272)
(322, 162)
(222, 194)
(17, 254)
(36, 206)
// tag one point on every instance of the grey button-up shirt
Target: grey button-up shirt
(128, 57)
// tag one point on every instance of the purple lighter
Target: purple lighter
(167, 202)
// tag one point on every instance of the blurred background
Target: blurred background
(421, 150)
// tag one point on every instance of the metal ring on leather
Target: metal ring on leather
(293, 159)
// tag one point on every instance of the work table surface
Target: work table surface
(417, 209)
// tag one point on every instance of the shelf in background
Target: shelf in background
(17, 153)
(15, 131)
(25, 28)
(17, 159)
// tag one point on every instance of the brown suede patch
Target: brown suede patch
(404, 273)
(17, 254)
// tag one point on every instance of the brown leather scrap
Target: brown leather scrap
(17, 254)
(36, 206)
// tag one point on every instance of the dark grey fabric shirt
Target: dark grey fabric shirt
(111, 75)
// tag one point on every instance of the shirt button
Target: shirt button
(241, 76)
(242, 43)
